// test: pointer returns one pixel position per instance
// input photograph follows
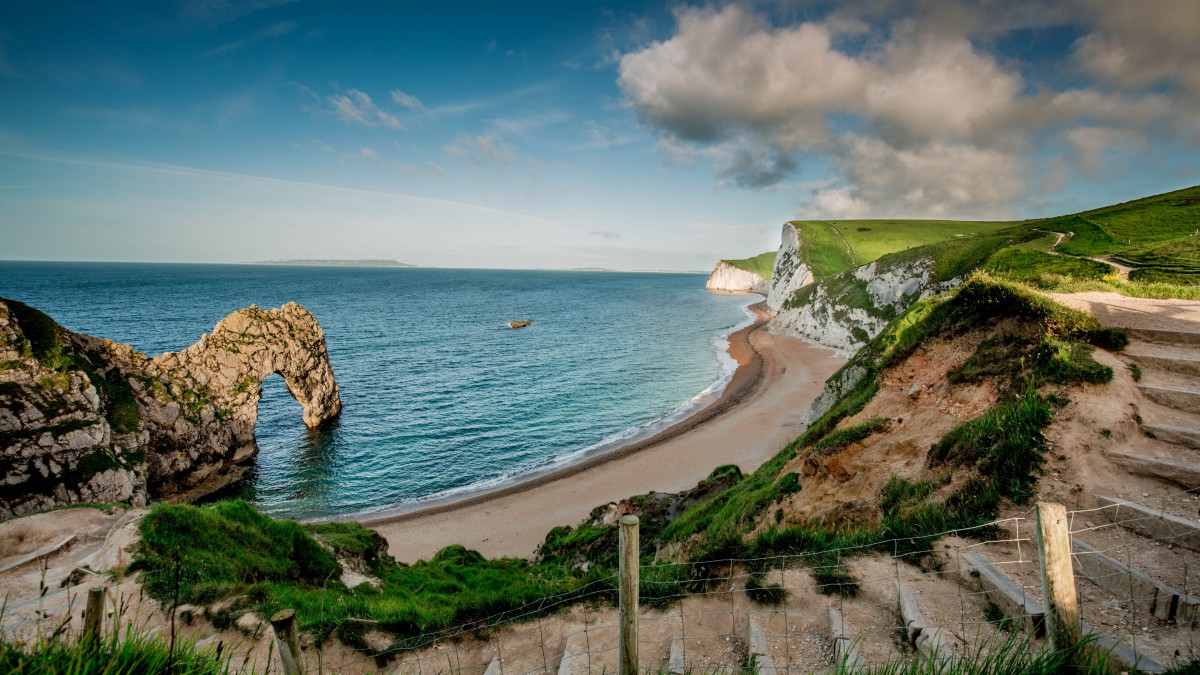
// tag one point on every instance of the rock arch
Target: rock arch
(201, 404)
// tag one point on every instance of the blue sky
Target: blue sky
(559, 135)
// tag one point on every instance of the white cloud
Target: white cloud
(676, 152)
(480, 151)
(928, 87)
(406, 100)
(357, 107)
(910, 102)
(1092, 148)
(938, 180)
(728, 71)
(1138, 44)
(840, 203)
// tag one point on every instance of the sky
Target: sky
(624, 135)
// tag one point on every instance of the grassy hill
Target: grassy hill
(1158, 236)
(762, 264)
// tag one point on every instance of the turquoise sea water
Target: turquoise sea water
(440, 397)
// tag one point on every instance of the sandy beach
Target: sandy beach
(776, 379)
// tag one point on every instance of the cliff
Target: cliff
(846, 310)
(84, 419)
(748, 275)
(790, 272)
(832, 301)
(731, 279)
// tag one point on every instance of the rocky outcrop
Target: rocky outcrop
(790, 273)
(86, 419)
(846, 310)
(732, 279)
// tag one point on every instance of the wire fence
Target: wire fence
(879, 602)
(1133, 574)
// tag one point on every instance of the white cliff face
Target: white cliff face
(846, 310)
(731, 279)
(790, 273)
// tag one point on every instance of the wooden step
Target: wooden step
(1114, 576)
(1016, 603)
(1162, 358)
(1185, 436)
(1152, 523)
(757, 649)
(1178, 399)
(1165, 380)
(574, 659)
(1165, 337)
(930, 641)
(1184, 475)
(845, 653)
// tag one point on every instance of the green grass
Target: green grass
(872, 239)
(43, 334)
(836, 441)
(1013, 654)
(1132, 225)
(1159, 234)
(1035, 267)
(823, 249)
(127, 655)
(198, 555)
(762, 264)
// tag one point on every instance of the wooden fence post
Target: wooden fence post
(93, 618)
(1063, 626)
(627, 645)
(287, 638)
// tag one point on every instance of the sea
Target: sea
(441, 399)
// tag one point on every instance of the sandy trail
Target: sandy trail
(777, 378)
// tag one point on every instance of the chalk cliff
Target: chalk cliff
(790, 272)
(846, 310)
(87, 419)
(733, 279)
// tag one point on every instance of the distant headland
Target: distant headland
(363, 262)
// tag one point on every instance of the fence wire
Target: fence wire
(866, 605)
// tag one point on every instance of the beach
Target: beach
(777, 377)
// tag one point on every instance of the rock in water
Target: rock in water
(518, 324)
(87, 419)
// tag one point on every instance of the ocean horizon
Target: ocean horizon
(442, 399)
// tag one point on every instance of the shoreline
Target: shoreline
(747, 424)
(745, 378)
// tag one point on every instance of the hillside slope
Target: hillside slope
(839, 283)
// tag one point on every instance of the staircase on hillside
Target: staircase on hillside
(1170, 365)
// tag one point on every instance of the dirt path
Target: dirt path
(1120, 311)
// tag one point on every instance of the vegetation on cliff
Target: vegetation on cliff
(1157, 236)
(762, 264)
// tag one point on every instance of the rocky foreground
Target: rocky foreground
(84, 419)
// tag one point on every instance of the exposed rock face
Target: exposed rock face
(733, 279)
(87, 419)
(846, 310)
(790, 273)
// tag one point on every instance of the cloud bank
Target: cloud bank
(911, 105)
